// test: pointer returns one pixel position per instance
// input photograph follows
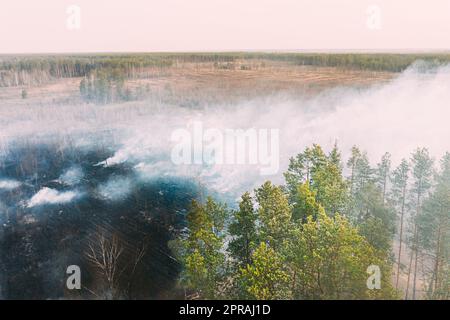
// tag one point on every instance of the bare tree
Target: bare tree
(104, 254)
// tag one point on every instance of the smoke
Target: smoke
(71, 177)
(116, 188)
(51, 196)
(9, 184)
(409, 111)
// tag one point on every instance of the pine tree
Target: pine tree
(330, 188)
(302, 168)
(434, 221)
(351, 164)
(376, 221)
(399, 189)
(244, 231)
(335, 157)
(363, 173)
(323, 174)
(382, 173)
(363, 187)
(422, 172)
(201, 250)
(305, 205)
(274, 213)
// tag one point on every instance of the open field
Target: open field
(196, 83)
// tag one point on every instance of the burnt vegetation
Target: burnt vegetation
(38, 243)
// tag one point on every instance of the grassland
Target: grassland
(184, 79)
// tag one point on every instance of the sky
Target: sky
(28, 26)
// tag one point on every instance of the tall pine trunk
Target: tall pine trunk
(438, 253)
(415, 273)
(401, 236)
(410, 266)
(416, 243)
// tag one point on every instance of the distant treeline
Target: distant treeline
(35, 69)
(31, 70)
(107, 86)
(375, 62)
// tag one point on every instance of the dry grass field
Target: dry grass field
(190, 84)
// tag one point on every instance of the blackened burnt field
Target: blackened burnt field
(49, 226)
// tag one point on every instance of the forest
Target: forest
(315, 236)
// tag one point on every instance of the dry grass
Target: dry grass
(196, 83)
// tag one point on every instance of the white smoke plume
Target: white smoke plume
(51, 196)
(8, 184)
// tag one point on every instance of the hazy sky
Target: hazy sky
(212, 25)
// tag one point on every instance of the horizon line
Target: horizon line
(351, 50)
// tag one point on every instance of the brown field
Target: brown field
(192, 84)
